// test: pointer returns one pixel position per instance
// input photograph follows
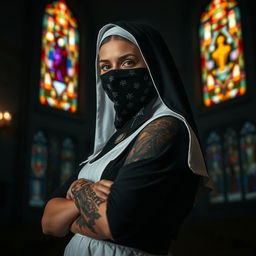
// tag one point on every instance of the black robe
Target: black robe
(150, 198)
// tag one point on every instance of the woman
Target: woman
(147, 169)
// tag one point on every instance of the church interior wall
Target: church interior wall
(220, 229)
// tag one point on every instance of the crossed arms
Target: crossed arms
(82, 211)
(84, 208)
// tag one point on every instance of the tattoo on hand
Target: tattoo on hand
(87, 202)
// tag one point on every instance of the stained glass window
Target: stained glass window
(215, 166)
(222, 65)
(232, 165)
(59, 58)
(67, 160)
(248, 156)
(38, 174)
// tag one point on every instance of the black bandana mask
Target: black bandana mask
(130, 90)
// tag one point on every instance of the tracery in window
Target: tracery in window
(67, 160)
(39, 156)
(232, 165)
(248, 158)
(215, 166)
(53, 170)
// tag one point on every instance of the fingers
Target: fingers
(99, 188)
(107, 183)
(69, 195)
(101, 195)
(102, 188)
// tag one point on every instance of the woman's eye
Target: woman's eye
(104, 67)
(129, 63)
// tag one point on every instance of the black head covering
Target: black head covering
(162, 67)
(168, 85)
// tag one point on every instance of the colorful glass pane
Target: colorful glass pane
(222, 64)
(67, 160)
(59, 58)
(38, 173)
(215, 166)
(248, 157)
(232, 166)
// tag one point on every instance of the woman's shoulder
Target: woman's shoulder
(165, 123)
(154, 138)
(162, 129)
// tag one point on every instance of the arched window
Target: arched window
(67, 160)
(232, 165)
(248, 157)
(59, 58)
(38, 170)
(222, 63)
(215, 166)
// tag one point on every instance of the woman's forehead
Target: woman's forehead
(116, 47)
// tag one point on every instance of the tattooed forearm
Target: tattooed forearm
(87, 202)
(153, 139)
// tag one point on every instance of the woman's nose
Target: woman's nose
(116, 66)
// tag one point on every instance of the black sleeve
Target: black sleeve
(150, 198)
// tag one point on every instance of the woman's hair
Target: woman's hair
(113, 37)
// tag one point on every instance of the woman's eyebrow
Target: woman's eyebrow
(121, 57)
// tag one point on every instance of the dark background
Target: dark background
(223, 229)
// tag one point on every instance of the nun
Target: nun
(147, 170)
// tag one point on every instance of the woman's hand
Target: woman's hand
(101, 188)
(90, 199)
(69, 194)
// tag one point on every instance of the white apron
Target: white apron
(81, 245)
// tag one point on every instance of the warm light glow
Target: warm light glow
(5, 118)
